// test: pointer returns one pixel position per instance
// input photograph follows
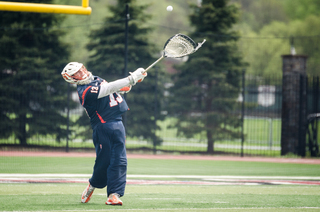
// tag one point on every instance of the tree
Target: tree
(259, 13)
(265, 49)
(308, 45)
(301, 9)
(107, 56)
(206, 87)
(31, 59)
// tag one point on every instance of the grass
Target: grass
(66, 196)
(158, 167)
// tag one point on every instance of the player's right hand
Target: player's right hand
(137, 76)
(145, 74)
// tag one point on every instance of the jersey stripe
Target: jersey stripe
(101, 119)
(84, 94)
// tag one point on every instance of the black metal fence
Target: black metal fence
(261, 126)
(312, 136)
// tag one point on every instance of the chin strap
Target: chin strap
(89, 79)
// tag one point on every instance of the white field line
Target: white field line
(203, 177)
(47, 175)
(225, 177)
(164, 179)
(180, 209)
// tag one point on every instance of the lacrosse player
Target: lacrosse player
(104, 105)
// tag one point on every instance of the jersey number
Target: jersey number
(94, 89)
(115, 101)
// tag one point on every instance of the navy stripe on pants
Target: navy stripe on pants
(110, 168)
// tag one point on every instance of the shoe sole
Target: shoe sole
(111, 203)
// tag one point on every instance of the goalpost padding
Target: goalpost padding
(46, 8)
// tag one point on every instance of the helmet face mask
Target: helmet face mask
(76, 73)
(81, 74)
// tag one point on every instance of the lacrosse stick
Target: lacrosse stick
(177, 46)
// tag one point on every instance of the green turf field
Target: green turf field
(169, 197)
(66, 197)
(157, 167)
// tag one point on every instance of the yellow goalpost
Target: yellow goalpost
(46, 8)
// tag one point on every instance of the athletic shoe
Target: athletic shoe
(114, 199)
(87, 193)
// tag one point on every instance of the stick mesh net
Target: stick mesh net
(180, 45)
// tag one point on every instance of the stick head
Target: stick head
(180, 45)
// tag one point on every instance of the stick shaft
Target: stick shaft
(154, 63)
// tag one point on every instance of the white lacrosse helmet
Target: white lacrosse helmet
(72, 68)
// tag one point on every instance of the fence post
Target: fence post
(68, 117)
(155, 112)
(242, 110)
(301, 149)
(124, 116)
(293, 103)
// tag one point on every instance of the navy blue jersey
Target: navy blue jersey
(106, 109)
